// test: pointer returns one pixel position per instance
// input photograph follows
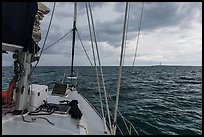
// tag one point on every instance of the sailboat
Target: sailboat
(31, 109)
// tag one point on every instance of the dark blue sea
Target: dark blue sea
(158, 100)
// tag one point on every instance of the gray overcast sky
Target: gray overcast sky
(171, 33)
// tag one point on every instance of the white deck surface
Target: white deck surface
(90, 123)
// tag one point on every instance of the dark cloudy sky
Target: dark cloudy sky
(171, 33)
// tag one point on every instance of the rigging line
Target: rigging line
(97, 76)
(107, 107)
(91, 37)
(122, 65)
(45, 37)
(124, 119)
(138, 34)
(89, 92)
(120, 69)
(34, 118)
(125, 47)
(126, 34)
(57, 40)
(84, 47)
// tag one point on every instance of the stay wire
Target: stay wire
(126, 34)
(57, 40)
(120, 69)
(102, 77)
(94, 57)
(45, 38)
(84, 47)
(138, 34)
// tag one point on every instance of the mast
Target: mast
(22, 68)
(73, 40)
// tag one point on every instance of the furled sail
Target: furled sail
(42, 10)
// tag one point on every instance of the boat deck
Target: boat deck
(56, 123)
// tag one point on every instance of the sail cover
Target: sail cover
(17, 24)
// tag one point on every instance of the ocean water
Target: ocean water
(158, 100)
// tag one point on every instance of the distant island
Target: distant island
(165, 65)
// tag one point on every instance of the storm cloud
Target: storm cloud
(171, 33)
